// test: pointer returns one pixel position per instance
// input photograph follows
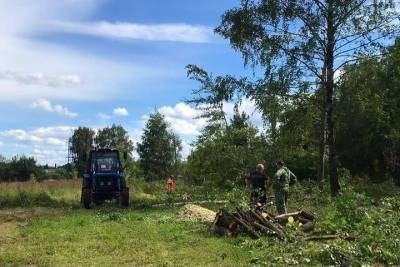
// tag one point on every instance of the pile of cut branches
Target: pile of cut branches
(259, 222)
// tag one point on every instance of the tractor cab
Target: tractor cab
(104, 178)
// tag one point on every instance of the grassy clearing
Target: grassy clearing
(51, 193)
(61, 234)
(67, 193)
(109, 237)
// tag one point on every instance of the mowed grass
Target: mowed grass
(110, 237)
(42, 224)
(63, 234)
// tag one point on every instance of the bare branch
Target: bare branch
(362, 34)
(362, 45)
(355, 59)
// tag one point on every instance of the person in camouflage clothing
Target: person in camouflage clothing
(280, 185)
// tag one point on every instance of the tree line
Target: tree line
(303, 52)
(367, 128)
(158, 151)
(367, 133)
(21, 169)
(326, 82)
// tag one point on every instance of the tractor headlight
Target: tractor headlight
(109, 183)
(102, 183)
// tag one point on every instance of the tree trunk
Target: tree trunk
(329, 88)
(322, 138)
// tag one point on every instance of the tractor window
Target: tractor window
(106, 164)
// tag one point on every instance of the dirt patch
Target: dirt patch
(8, 230)
(144, 196)
(22, 215)
(192, 212)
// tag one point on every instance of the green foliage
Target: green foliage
(373, 223)
(19, 169)
(159, 149)
(132, 169)
(224, 157)
(371, 219)
(81, 142)
(62, 172)
(113, 137)
(296, 48)
(367, 132)
(23, 198)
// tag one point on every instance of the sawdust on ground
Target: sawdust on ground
(192, 212)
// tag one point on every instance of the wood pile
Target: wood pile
(259, 222)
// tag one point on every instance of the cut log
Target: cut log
(243, 215)
(308, 227)
(303, 220)
(246, 227)
(307, 215)
(301, 216)
(268, 224)
(260, 222)
(264, 229)
(224, 221)
(330, 237)
(322, 237)
(284, 217)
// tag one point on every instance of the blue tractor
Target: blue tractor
(104, 179)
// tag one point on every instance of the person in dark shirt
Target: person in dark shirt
(257, 181)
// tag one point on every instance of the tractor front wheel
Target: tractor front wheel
(124, 197)
(86, 197)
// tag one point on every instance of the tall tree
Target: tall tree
(303, 44)
(225, 156)
(81, 142)
(114, 137)
(159, 150)
(368, 129)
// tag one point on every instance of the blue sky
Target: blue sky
(92, 63)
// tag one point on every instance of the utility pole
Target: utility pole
(70, 158)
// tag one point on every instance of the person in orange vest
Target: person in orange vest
(171, 185)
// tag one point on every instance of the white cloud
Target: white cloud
(150, 32)
(55, 141)
(103, 116)
(183, 119)
(41, 79)
(32, 68)
(249, 107)
(45, 105)
(50, 145)
(21, 135)
(46, 144)
(187, 148)
(123, 112)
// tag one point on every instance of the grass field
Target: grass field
(41, 224)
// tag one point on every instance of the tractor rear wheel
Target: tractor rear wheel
(86, 197)
(124, 197)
